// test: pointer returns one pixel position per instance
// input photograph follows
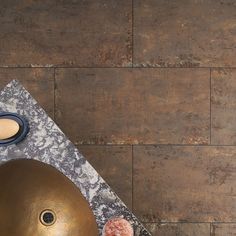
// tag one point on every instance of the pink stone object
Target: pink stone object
(118, 227)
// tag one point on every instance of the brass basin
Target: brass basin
(37, 200)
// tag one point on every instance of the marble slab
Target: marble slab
(47, 143)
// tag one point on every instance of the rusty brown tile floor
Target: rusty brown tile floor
(147, 91)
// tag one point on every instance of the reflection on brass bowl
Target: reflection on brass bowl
(37, 200)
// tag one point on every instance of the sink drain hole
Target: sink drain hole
(47, 217)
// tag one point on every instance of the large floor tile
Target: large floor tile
(223, 106)
(114, 164)
(179, 229)
(67, 33)
(185, 33)
(130, 106)
(223, 229)
(38, 81)
(180, 183)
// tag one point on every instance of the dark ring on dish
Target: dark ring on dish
(23, 130)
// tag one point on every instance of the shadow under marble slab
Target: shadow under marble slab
(47, 143)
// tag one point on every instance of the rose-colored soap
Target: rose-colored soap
(118, 227)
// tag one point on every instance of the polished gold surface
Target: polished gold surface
(37, 200)
(8, 128)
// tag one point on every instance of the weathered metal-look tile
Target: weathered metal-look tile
(186, 33)
(179, 229)
(114, 164)
(184, 183)
(39, 81)
(223, 106)
(223, 229)
(130, 106)
(67, 33)
(46, 142)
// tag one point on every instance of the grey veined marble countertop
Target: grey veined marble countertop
(47, 143)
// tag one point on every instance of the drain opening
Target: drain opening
(47, 217)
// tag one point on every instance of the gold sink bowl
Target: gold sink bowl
(38, 200)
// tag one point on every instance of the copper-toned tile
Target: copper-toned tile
(114, 164)
(223, 106)
(68, 33)
(38, 81)
(184, 183)
(184, 33)
(223, 229)
(179, 229)
(130, 106)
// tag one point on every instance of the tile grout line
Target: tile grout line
(54, 94)
(132, 181)
(132, 60)
(162, 145)
(210, 107)
(115, 67)
(187, 222)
